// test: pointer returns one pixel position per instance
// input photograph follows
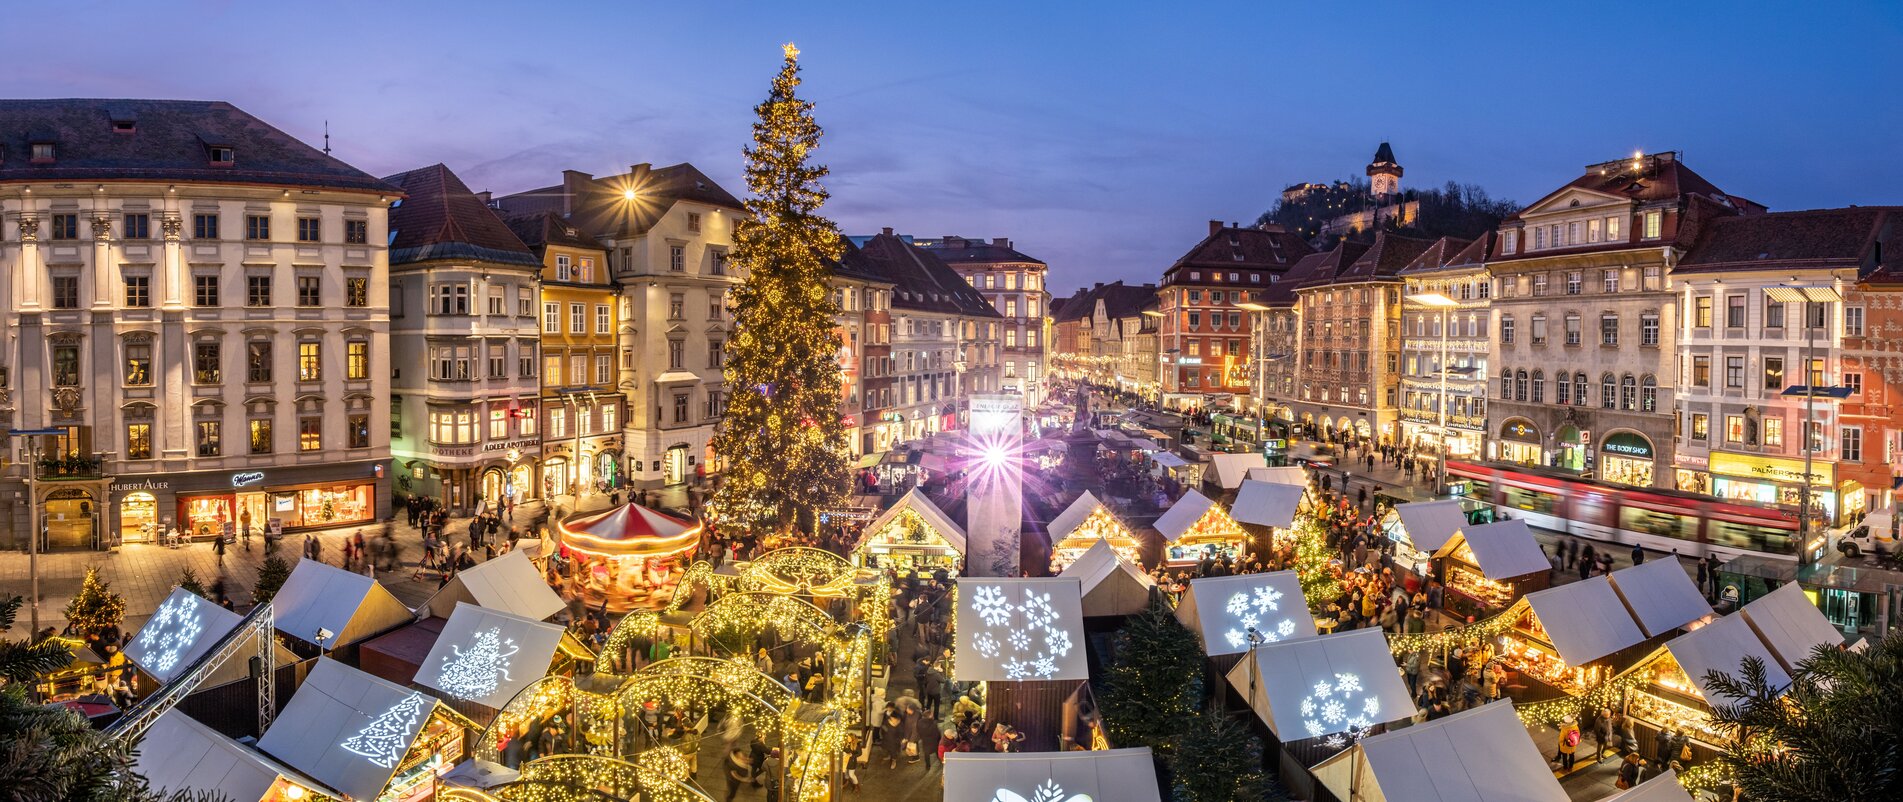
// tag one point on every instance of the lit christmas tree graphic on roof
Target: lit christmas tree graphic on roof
(386, 737)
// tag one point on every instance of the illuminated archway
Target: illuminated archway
(751, 611)
(563, 777)
(799, 569)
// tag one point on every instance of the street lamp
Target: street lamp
(1435, 300)
(1821, 295)
(33, 514)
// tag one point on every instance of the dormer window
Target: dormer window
(222, 156)
(42, 153)
(124, 126)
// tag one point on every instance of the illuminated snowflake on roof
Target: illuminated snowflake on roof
(1025, 634)
(1340, 710)
(1250, 611)
(988, 602)
(1050, 791)
(174, 627)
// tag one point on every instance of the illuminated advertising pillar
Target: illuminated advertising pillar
(995, 506)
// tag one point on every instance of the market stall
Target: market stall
(180, 754)
(1084, 523)
(1228, 470)
(1421, 528)
(1112, 585)
(1222, 609)
(182, 630)
(914, 533)
(1270, 506)
(1186, 473)
(366, 737)
(1487, 567)
(350, 607)
(1672, 694)
(1567, 639)
(1791, 625)
(1482, 754)
(1011, 629)
(1336, 687)
(629, 557)
(1280, 474)
(488, 656)
(1104, 775)
(1660, 596)
(509, 583)
(1196, 528)
(1662, 787)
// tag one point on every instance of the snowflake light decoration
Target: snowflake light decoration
(988, 602)
(1024, 633)
(1250, 610)
(174, 627)
(1339, 710)
(1050, 791)
(987, 645)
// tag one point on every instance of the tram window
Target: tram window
(1480, 490)
(1750, 536)
(1592, 508)
(1531, 500)
(1660, 524)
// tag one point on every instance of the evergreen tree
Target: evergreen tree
(22, 662)
(1836, 733)
(1220, 760)
(95, 612)
(188, 579)
(781, 444)
(1153, 685)
(271, 576)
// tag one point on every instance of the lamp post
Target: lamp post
(33, 533)
(1435, 300)
(1822, 296)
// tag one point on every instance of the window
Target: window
(356, 292)
(1853, 321)
(1628, 392)
(1511, 242)
(1574, 281)
(1734, 429)
(1817, 373)
(716, 305)
(1579, 388)
(451, 299)
(208, 438)
(1539, 387)
(1649, 329)
(1539, 330)
(1773, 374)
(680, 407)
(138, 364)
(1563, 389)
(1701, 311)
(205, 226)
(577, 318)
(205, 290)
(309, 229)
(260, 435)
(310, 433)
(1539, 284)
(1649, 394)
(601, 319)
(525, 361)
(564, 270)
(257, 290)
(1572, 235)
(310, 290)
(257, 227)
(604, 369)
(498, 361)
(207, 365)
(65, 226)
(1815, 437)
(1854, 383)
(693, 221)
(1506, 330)
(1851, 444)
(1520, 385)
(498, 423)
(1734, 371)
(138, 441)
(676, 306)
(577, 369)
(1653, 222)
(310, 361)
(717, 404)
(138, 292)
(357, 431)
(257, 363)
(1608, 329)
(1612, 229)
(137, 226)
(1772, 429)
(1572, 330)
(1195, 320)
(676, 349)
(677, 259)
(65, 366)
(1701, 426)
(357, 232)
(551, 317)
(1539, 238)
(1773, 314)
(1592, 230)
(65, 292)
(552, 369)
(357, 361)
(1701, 371)
(496, 305)
(1608, 392)
(1610, 281)
(1734, 311)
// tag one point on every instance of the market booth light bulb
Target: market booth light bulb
(294, 793)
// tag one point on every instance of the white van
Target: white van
(1876, 535)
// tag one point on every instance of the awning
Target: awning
(629, 530)
(1722, 646)
(1111, 586)
(1585, 621)
(1104, 775)
(488, 656)
(1482, 754)
(350, 606)
(508, 583)
(869, 460)
(1282, 475)
(1430, 524)
(1020, 629)
(1267, 504)
(1144, 444)
(1231, 469)
(1168, 459)
(1502, 550)
(1660, 595)
(1222, 609)
(1313, 687)
(1790, 624)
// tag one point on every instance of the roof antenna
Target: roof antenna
(326, 137)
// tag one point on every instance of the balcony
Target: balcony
(68, 468)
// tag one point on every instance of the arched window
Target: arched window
(1506, 385)
(1519, 388)
(1628, 393)
(1539, 386)
(1649, 394)
(1563, 389)
(1579, 388)
(1608, 391)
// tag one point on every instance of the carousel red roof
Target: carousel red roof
(630, 529)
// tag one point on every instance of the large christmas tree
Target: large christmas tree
(781, 444)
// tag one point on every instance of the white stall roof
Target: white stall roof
(1231, 469)
(1483, 754)
(488, 656)
(1221, 609)
(178, 753)
(1143, 444)
(1324, 685)
(1266, 503)
(1182, 515)
(1282, 475)
(1430, 524)
(1020, 629)
(1502, 550)
(1662, 787)
(1111, 586)
(1072, 517)
(916, 501)
(1585, 620)
(347, 728)
(1790, 624)
(1660, 595)
(508, 583)
(1168, 459)
(351, 606)
(1722, 646)
(1104, 775)
(179, 632)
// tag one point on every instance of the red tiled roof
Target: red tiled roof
(1331, 264)
(542, 229)
(924, 282)
(1437, 255)
(1660, 177)
(1267, 251)
(1385, 258)
(599, 206)
(1783, 240)
(441, 219)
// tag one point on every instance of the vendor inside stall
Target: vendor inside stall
(1672, 695)
(912, 534)
(1565, 640)
(1196, 529)
(629, 557)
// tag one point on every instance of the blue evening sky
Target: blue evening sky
(1100, 136)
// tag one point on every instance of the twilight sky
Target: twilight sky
(1100, 136)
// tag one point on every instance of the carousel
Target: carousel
(629, 557)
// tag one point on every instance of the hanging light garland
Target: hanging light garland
(1470, 634)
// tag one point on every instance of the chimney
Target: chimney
(886, 231)
(1002, 242)
(952, 241)
(638, 174)
(1100, 285)
(1235, 225)
(1215, 227)
(486, 199)
(574, 183)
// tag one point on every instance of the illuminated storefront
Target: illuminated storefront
(1519, 443)
(311, 507)
(1779, 481)
(1626, 458)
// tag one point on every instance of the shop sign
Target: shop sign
(147, 484)
(1189, 360)
(1274, 444)
(1627, 444)
(1777, 469)
(453, 451)
(504, 445)
(1521, 431)
(247, 478)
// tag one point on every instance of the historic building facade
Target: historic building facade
(198, 304)
(1874, 351)
(945, 339)
(1204, 340)
(1445, 330)
(864, 300)
(1349, 339)
(1014, 284)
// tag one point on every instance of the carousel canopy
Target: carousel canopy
(1660, 595)
(1168, 460)
(508, 583)
(348, 729)
(630, 530)
(1311, 687)
(179, 632)
(1104, 775)
(1221, 609)
(350, 606)
(1722, 646)
(488, 656)
(1231, 469)
(1281, 475)
(178, 754)
(1585, 620)
(916, 501)
(1267, 503)
(1787, 621)
(1502, 550)
(1663, 787)
(1182, 515)
(1483, 754)
(1111, 586)
(1430, 524)
(1020, 629)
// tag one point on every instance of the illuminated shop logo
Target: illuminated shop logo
(247, 478)
(1339, 707)
(1050, 791)
(1024, 635)
(476, 673)
(387, 737)
(172, 630)
(1251, 612)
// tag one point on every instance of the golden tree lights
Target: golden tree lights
(1313, 564)
(781, 440)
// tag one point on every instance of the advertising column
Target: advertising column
(996, 473)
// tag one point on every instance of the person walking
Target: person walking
(1568, 743)
(1586, 560)
(218, 548)
(1638, 555)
